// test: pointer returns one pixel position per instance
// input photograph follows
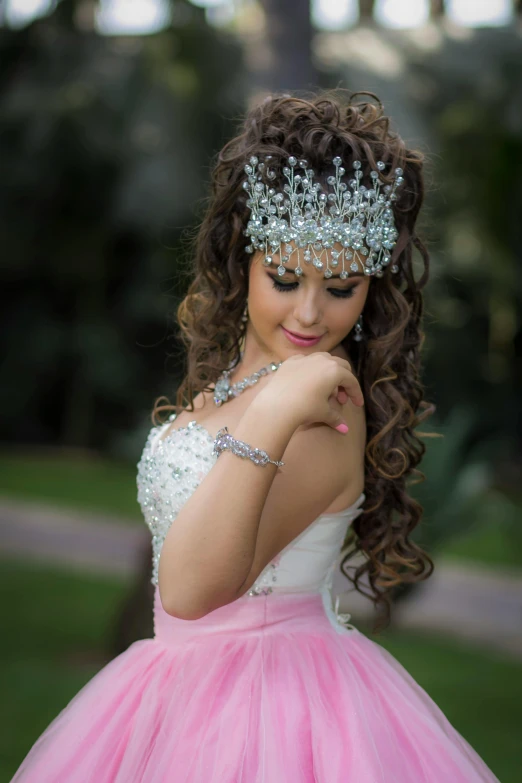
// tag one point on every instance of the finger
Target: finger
(340, 425)
(337, 359)
(344, 394)
(349, 384)
(342, 362)
(336, 420)
(355, 394)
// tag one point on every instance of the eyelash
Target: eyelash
(345, 293)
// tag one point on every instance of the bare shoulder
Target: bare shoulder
(349, 451)
(337, 459)
(323, 473)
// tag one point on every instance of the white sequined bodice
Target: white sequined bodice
(172, 467)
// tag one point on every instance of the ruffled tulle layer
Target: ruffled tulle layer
(264, 690)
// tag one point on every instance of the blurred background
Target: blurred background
(110, 111)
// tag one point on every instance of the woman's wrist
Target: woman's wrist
(224, 440)
(266, 425)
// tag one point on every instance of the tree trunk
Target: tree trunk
(437, 8)
(288, 45)
(134, 619)
(366, 9)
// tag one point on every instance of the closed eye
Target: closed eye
(337, 293)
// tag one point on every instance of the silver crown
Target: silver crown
(360, 218)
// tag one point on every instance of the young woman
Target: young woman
(303, 331)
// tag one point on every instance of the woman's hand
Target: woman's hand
(313, 388)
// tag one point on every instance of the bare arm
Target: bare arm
(208, 552)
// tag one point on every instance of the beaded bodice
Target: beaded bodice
(171, 468)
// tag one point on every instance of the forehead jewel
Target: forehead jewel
(357, 217)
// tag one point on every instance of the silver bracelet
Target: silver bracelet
(224, 440)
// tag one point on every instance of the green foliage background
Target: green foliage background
(105, 148)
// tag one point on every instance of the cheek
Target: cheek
(340, 321)
(342, 318)
(269, 305)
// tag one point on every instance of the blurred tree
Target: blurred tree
(461, 103)
(135, 619)
(288, 41)
(103, 160)
(476, 296)
(105, 143)
(437, 8)
(366, 11)
(66, 12)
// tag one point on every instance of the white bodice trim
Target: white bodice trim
(172, 467)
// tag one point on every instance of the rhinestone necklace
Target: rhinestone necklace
(225, 391)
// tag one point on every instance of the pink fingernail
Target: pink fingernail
(342, 428)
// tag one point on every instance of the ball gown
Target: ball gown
(275, 687)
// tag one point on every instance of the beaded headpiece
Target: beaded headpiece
(360, 218)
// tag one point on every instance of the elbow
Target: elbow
(177, 596)
(191, 599)
(190, 607)
(184, 613)
(180, 607)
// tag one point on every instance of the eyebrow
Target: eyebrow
(333, 277)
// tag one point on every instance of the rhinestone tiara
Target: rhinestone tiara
(359, 218)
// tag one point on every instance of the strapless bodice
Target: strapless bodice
(172, 467)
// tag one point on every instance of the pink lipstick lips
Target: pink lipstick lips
(300, 340)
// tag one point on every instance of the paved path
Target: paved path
(466, 601)
(91, 542)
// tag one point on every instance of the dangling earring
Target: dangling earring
(244, 317)
(358, 330)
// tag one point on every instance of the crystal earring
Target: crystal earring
(358, 335)
(244, 317)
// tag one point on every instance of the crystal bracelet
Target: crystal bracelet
(224, 440)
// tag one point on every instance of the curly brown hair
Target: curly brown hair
(386, 362)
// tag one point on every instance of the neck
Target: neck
(255, 356)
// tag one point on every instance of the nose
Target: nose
(307, 311)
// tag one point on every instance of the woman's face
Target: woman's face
(309, 305)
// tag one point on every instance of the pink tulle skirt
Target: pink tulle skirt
(263, 690)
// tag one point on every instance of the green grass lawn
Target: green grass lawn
(54, 628)
(101, 484)
(495, 543)
(479, 692)
(57, 627)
